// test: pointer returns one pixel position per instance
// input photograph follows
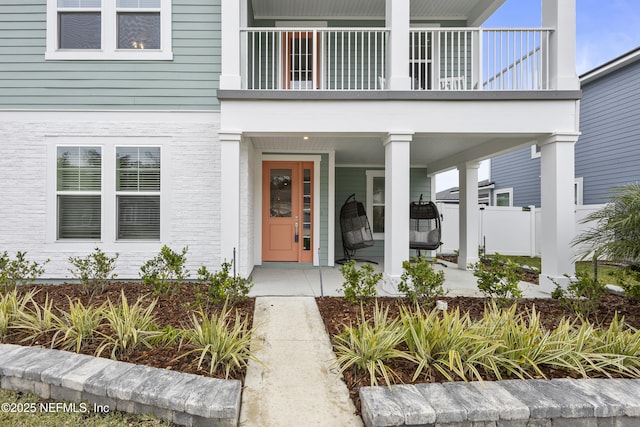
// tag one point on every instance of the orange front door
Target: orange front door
(287, 214)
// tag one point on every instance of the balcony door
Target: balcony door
(301, 60)
(287, 211)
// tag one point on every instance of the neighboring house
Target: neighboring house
(607, 153)
(240, 127)
(452, 195)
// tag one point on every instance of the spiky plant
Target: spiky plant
(219, 342)
(77, 326)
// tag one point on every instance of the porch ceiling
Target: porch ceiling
(472, 11)
(435, 151)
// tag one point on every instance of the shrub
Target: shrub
(18, 271)
(629, 279)
(94, 271)
(220, 343)
(223, 286)
(11, 305)
(131, 326)
(360, 284)
(165, 271)
(369, 347)
(78, 326)
(498, 278)
(37, 321)
(582, 295)
(420, 282)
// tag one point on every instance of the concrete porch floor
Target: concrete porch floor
(295, 280)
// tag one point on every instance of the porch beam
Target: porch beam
(469, 214)
(398, 17)
(230, 194)
(397, 199)
(558, 209)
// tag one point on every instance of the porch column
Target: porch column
(557, 209)
(396, 205)
(230, 45)
(561, 16)
(230, 194)
(469, 216)
(398, 17)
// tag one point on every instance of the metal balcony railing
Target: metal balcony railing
(353, 59)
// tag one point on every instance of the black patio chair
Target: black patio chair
(355, 228)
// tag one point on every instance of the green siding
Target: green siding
(188, 82)
(354, 180)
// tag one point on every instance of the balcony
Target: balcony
(356, 59)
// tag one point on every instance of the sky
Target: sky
(604, 31)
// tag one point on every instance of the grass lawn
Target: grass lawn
(27, 410)
(605, 272)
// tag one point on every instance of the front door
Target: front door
(287, 211)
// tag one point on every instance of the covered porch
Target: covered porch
(290, 280)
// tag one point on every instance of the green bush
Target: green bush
(420, 282)
(582, 295)
(629, 279)
(94, 271)
(360, 283)
(223, 286)
(166, 271)
(18, 271)
(498, 278)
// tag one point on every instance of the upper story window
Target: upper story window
(109, 30)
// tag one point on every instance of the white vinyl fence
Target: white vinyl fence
(509, 231)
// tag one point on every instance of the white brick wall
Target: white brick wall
(191, 152)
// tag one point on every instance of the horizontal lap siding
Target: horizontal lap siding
(519, 171)
(608, 152)
(188, 82)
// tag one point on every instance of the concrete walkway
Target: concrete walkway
(297, 384)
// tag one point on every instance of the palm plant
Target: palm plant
(617, 233)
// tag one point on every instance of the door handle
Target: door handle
(296, 238)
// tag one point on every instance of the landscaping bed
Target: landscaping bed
(338, 313)
(171, 312)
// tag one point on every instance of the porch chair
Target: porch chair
(425, 227)
(355, 228)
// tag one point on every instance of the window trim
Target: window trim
(508, 191)
(535, 151)
(117, 192)
(578, 188)
(109, 50)
(108, 229)
(78, 193)
(371, 174)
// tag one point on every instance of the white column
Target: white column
(469, 214)
(230, 45)
(558, 209)
(230, 194)
(561, 16)
(398, 17)
(396, 205)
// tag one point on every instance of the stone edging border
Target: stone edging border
(509, 403)
(185, 399)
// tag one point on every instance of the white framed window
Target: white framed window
(535, 151)
(503, 197)
(79, 192)
(111, 190)
(108, 30)
(375, 202)
(137, 193)
(577, 191)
